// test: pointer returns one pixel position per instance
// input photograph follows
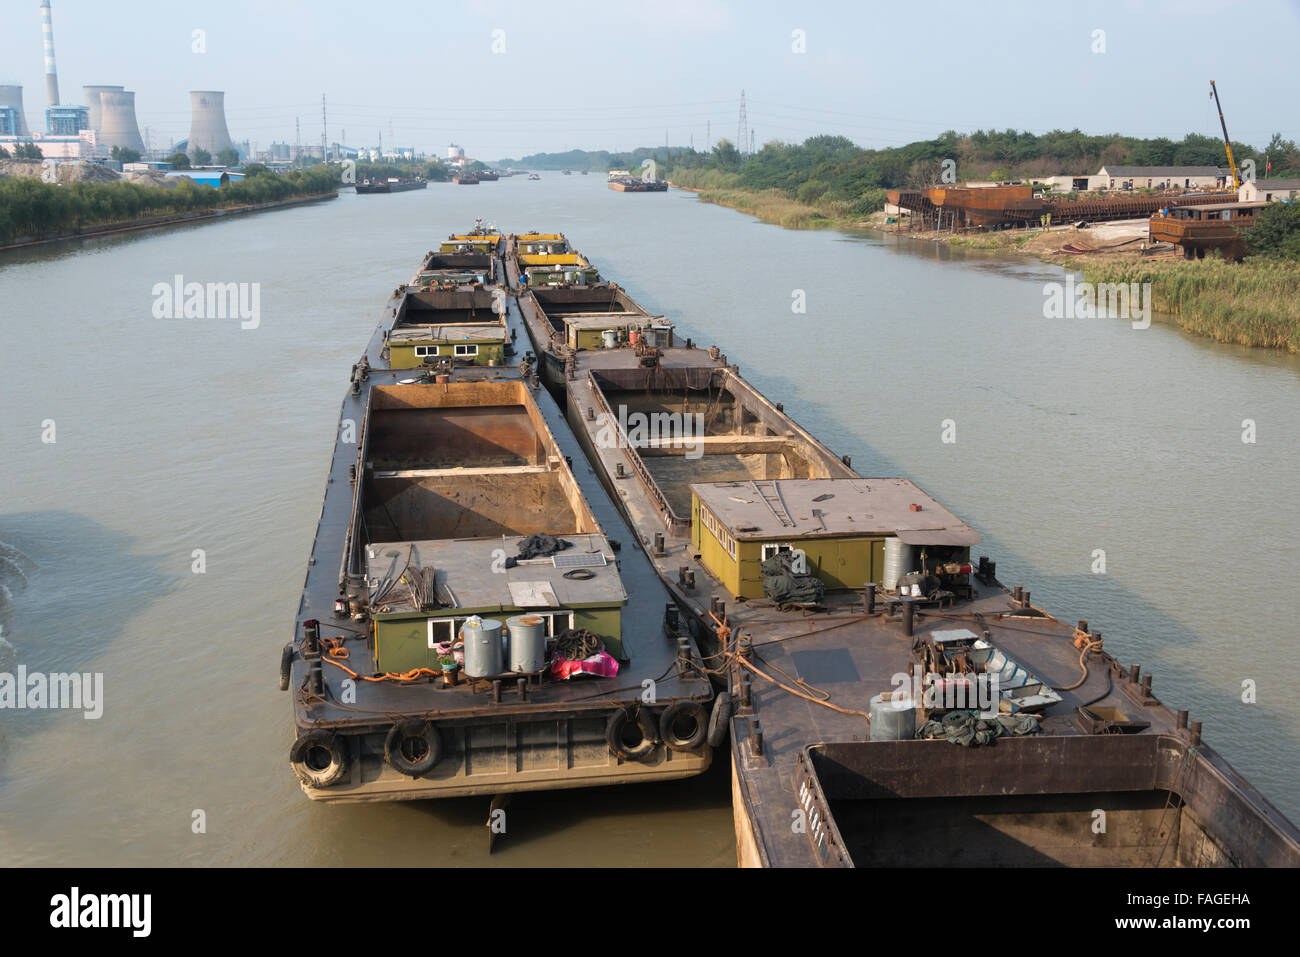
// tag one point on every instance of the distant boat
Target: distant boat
(568, 173)
(391, 185)
(533, 176)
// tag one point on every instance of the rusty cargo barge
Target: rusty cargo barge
(429, 647)
(881, 645)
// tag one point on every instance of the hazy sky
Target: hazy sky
(615, 76)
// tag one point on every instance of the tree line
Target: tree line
(30, 207)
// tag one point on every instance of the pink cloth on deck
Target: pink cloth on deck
(601, 664)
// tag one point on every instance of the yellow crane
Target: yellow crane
(1232, 164)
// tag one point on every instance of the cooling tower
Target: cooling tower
(208, 122)
(13, 96)
(51, 74)
(91, 94)
(117, 121)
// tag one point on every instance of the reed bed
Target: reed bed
(1255, 303)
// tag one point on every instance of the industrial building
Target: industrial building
(118, 126)
(1269, 191)
(13, 122)
(215, 178)
(1161, 177)
(90, 96)
(208, 129)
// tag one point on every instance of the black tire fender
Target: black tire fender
(724, 706)
(303, 751)
(418, 730)
(286, 666)
(618, 722)
(679, 711)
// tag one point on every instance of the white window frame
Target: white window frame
(423, 351)
(463, 351)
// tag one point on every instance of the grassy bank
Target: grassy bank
(33, 209)
(1255, 303)
(807, 209)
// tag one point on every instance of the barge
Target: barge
(546, 259)
(476, 619)
(563, 321)
(857, 647)
(393, 184)
(443, 270)
(482, 239)
(631, 184)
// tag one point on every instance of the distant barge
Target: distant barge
(391, 185)
(630, 184)
(846, 624)
(435, 628)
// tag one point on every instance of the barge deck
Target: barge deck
(820, 778)
(510, 732)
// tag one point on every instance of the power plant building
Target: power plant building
(208, 122)
(118, 126)
(11, 111)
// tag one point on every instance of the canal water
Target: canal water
(184, 444)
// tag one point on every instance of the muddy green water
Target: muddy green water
(174, 435)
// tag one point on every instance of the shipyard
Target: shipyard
(787, 459)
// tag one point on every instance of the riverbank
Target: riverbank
(775, 207)
(157, 222)
(69, 206)
(1255, 303)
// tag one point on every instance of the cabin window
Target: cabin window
(557, 622)
(422, 351)
(776, 549)
(710, 522)
(467, 350)
(442, 629)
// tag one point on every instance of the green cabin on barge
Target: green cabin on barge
(459, 324)
(842, 527)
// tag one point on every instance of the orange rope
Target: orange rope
(334, 651)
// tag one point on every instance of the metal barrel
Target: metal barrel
(484, 655)
(527, 643)
(892, 720)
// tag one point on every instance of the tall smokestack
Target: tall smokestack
(208, 122)
(51, 74)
